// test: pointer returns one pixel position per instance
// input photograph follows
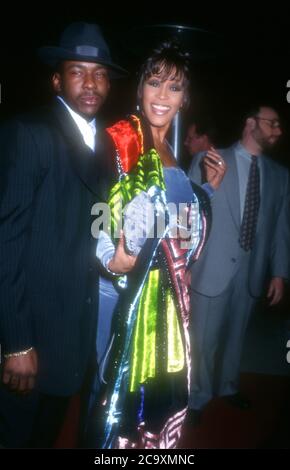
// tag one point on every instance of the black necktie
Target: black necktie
(251, 208)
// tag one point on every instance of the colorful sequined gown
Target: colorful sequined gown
(148, 372)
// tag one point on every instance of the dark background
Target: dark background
(244, 59)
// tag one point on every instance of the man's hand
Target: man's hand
(19, 372)
(121, 262)
(214, 167)
(275, 290)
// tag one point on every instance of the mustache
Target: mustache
(90, 95)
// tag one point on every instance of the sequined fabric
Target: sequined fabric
(148, 375)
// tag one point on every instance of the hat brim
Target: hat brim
(53, 55)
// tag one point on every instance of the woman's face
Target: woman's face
(161, 98)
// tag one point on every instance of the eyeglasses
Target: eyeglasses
(273, 123)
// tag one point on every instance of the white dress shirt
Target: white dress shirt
(87, 129)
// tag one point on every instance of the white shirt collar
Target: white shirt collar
(87, 129)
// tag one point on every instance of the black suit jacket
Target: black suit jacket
(49, 180)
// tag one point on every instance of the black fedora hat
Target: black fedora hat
(82, 42)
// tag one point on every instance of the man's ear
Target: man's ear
(56, 82)
(251, 122)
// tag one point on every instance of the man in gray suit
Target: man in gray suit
(247, 247)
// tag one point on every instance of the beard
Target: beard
(264, 141)
(267, 143)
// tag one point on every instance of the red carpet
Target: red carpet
(265, 425)
(68, 436)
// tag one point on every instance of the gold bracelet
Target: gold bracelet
(17, 354)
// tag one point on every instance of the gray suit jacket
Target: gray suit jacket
(270, 255)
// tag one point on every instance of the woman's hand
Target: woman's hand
(122, 262)
(215, 168)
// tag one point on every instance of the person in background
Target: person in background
(247, 251)
(200, 137)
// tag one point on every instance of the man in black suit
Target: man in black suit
(51, 174)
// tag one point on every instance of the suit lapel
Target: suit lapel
(266, 188)
(86, 163)
(231, 185)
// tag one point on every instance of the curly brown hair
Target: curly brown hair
(167, 61)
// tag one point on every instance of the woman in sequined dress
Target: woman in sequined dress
(146, 368)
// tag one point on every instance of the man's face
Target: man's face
(83, 85)
(267, 128)
(194, 143)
